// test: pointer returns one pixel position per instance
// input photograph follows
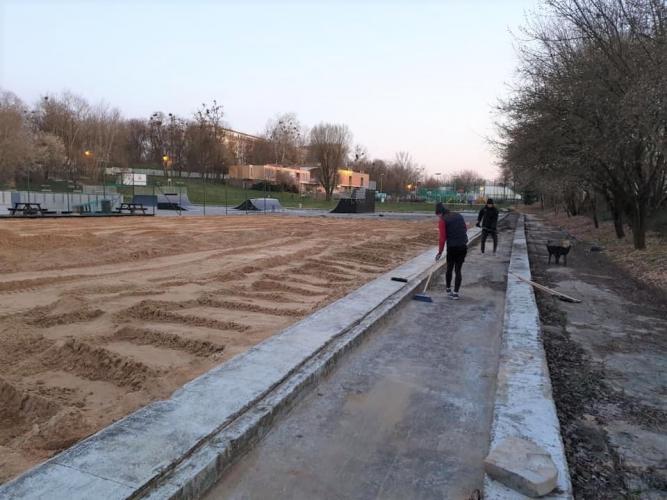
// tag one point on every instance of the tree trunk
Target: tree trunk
(639, 228)
(618, 223)
(594, 206)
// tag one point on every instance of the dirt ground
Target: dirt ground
(608, 364)
(99, 317)
(649, 266)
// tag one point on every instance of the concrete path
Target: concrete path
(608, 364)
(405, 415)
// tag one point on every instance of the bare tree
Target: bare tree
(15, 137)
(65, 116)
(175, 142)
(402, 175)
(287, 138)
(136, 142)
(48, 154)
(329, 145)
(100, 133)
(157, 139)
(206, 141)
(589, 118)
(465, 181)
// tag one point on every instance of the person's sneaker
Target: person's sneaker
(449, 292)
(454, 296)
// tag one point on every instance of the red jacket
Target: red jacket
(442, 229)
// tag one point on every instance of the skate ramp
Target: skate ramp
(361, 201)
(164, 200)
(261, 205)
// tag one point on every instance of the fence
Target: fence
(476, 194)
(59, 202)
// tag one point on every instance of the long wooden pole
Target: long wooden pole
(561, 296)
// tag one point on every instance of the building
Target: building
(305, 178)
(274, 174)
(240, 144)
(348, 179)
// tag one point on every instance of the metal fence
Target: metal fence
(474, 195)
(65, 202)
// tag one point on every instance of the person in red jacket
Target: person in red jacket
(453, 231)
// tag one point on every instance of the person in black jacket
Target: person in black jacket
(488, 221)
(454, 231)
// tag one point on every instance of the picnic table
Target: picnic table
(131, 207)
(27, 209)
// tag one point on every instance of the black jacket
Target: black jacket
(455, 229)
(488, 216)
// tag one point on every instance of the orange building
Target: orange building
(270, 173)
(347, 179)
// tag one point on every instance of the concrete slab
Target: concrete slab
(56, 477)
(524, 405)
(407, 414)
(136, 452)
(523, 466)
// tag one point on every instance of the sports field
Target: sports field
(100, 316)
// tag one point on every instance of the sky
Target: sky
(416, 76)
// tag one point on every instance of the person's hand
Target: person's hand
(437, 256)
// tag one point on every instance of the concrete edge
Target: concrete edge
(524, 405)
(157, 447)
(204, 468)
(199, 472)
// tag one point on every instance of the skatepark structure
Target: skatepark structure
(164, 201)
(360, 201)
(261, 205)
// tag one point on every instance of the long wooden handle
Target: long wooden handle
(562, 296)
(428, 280)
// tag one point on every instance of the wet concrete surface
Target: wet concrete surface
(405, 415)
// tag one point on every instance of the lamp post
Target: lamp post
(88, 156)
(226, 180)
(165, 166)
(437, 175)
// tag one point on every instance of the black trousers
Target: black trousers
(455, 258)
(485, 235)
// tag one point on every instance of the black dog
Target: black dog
(558, 250)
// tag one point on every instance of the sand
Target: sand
(99, 317)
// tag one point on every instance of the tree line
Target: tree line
(586, 125)
(64, 137)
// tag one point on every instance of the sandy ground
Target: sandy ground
(98, 317)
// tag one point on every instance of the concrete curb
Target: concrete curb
(524, 405)
(179, 447)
